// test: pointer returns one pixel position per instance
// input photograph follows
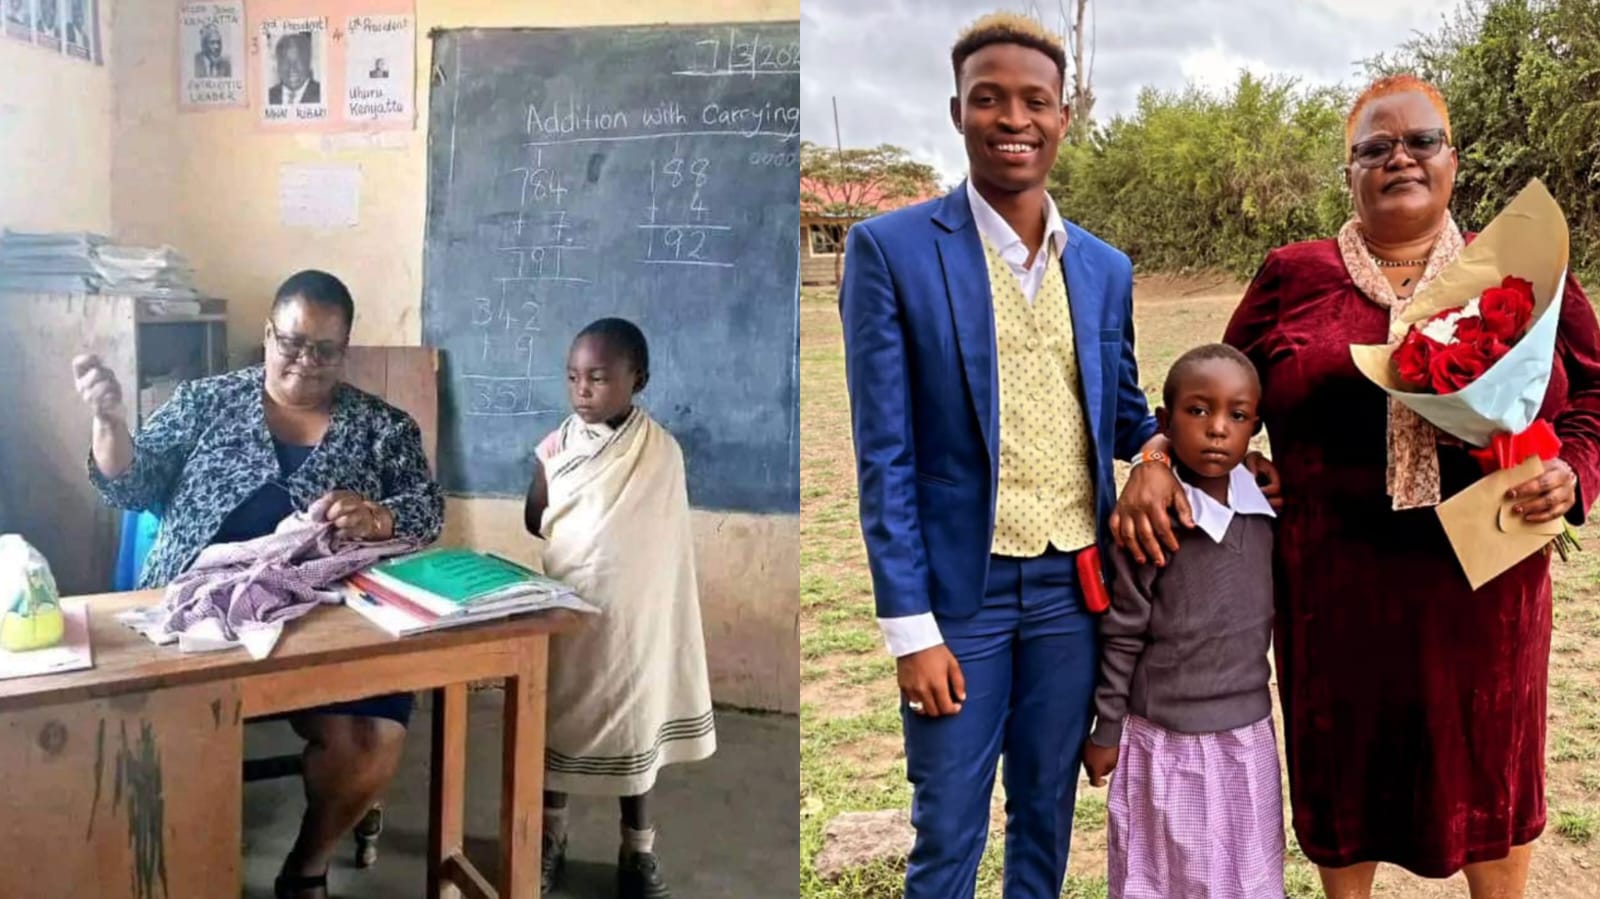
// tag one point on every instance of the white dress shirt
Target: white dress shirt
(998, 232)
(914, 633)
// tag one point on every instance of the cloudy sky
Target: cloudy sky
(888, 61)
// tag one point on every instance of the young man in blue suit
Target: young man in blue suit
(989, 354)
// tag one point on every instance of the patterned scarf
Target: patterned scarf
(1413, 469)
(565, 452)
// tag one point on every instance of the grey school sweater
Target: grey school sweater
(1186, 646)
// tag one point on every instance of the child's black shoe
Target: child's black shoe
(639, 877)
(552, 861)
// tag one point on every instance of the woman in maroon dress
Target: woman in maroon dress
(1414, 707)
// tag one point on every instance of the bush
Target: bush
(1522, 78)
(1193, 181)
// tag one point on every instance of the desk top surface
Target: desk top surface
(126, 662)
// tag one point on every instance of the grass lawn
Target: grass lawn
(851, 757)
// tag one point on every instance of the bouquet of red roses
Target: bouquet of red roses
(1450, 350)
(1472, 354)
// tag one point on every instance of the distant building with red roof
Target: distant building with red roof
(822, 231)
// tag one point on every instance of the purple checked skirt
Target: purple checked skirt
(1195, 816)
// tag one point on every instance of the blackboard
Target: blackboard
(650, 173)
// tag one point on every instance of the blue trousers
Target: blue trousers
(1030, 657)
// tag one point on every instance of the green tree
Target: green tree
(858, 183)
(1194, 180)
(1522, 80)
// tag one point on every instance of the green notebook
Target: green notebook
(457, 575)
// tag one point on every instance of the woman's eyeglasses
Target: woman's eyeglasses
(319, 352)
(1420, 145)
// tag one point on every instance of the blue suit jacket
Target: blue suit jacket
(925, 399)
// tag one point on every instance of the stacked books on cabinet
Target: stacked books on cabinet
(74, 262)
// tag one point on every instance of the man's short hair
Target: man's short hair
(1007, 28)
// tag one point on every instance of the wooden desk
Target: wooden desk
(123, 780)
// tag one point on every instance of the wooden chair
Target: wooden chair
(407, 378)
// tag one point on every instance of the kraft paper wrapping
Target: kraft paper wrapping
(1487, 537)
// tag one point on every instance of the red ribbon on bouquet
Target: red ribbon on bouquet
(1507, 450)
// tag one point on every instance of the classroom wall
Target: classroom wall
(207, 183)
(55, 168)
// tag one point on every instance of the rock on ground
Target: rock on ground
(861, 839)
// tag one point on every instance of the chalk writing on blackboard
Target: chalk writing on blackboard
(642, 172)
(489, 395)
(555, 124)
(538, 245)
(681, 243)
(743, 53)
(538, 250)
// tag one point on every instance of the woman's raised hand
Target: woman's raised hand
(98, 388)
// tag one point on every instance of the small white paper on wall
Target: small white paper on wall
(319, 196)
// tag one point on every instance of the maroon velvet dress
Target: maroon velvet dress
(1414, 708)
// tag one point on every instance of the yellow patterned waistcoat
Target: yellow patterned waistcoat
(1046, 495)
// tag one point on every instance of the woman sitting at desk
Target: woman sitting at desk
(231, 456)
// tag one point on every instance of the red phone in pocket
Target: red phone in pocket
(1092, 582)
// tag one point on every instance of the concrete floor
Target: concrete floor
(727, 827)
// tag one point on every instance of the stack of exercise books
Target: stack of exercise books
(440, 588)
(73, 262)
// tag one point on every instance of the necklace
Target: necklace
(1395, 263)
(1390, 263)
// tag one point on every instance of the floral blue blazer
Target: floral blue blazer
(208, 449)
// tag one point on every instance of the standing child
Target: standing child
(629, 693)
(1183, 708)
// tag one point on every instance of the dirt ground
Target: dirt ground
(851, 757)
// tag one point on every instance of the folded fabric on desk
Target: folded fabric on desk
(205, 635)
(266, 581)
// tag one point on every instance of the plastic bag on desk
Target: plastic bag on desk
(29, 597)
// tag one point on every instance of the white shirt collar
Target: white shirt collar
(293, 96)
(1244, 498)
(997, 231)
